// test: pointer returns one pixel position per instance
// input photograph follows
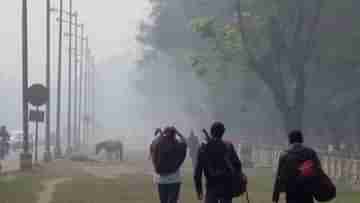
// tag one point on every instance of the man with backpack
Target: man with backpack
(220, 164)
(300, 174)
(168, 154)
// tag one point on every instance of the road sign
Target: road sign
(37, 95)
(37, 116)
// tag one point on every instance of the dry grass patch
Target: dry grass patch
(20, 189)
(139, 188)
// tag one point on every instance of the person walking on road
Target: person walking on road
(218, 162)
(168, 153)
(4, 142)
(193, 143)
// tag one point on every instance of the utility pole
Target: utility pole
(69, 148)
(81, 81)
(93, 97)
(88, 94)
(75, 135)
(86, 91)
(58, 152)
(47, 155)
(25, 157)
(72, 128)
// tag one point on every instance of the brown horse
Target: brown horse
(111, 148)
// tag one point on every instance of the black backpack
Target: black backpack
(167, 157)
(236, 178)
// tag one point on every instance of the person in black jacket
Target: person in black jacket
(288, 178)
(211, 162)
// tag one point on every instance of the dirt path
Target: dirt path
(63, 170)
(46, 195)
(114, 170)
(69, 169)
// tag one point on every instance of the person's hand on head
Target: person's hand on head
(176, 130)
(206, 134)
(204, 131)
(158, 131)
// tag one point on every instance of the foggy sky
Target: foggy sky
(111, 26)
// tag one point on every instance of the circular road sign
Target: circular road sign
(38, 94)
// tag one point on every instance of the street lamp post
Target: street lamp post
(93, 81)
(25, 157)
(74, 52)
(70, 63)
(58, 152)
(47, 155)
(75, 135)
(81, 73)
(69, 149)
(85, 132)
(88, 93)
(81, 80)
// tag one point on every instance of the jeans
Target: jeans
(210, 198)
(169, 193)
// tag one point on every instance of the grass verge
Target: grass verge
(20, 189)
(140, 188)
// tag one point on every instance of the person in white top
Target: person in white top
(168, 154)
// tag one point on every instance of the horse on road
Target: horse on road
(112, 148)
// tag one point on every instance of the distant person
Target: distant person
(299, 174)
(168, 153)
(220, 164)
(4, 142)
(194, 144)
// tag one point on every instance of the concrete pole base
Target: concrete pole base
(69, 151)
(26, 161)
(58, 153)
(47, 157)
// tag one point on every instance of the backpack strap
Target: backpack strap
(228, 157)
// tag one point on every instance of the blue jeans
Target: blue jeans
(169, 193)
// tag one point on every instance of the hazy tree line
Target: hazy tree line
(266, 65)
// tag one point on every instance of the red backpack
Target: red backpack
(322, 187)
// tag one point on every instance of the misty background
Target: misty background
(183, 63)
(120, 108)
(112, 35)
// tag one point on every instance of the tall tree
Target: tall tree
(303, 52)
(279, 43)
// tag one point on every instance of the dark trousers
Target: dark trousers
(169, 193)
(210, 198)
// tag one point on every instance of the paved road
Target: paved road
(12, 161)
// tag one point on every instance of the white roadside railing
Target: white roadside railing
(338, 165)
